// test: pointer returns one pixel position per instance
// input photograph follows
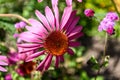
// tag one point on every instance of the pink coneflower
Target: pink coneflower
(51, 37)
(25, 68)
(12, 58)
(3, 62)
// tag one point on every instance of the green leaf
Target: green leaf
(106, 61)
(93, 63)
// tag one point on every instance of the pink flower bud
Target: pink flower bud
(89, 12)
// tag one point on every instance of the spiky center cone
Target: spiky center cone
(56, 43)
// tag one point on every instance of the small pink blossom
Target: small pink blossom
(108, 23)
(20, 25)
(8, 77)
(89, 12)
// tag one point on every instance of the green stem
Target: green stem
(103, 56)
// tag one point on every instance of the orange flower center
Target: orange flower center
(56, 43)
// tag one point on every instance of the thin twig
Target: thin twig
(114, 4)
(16, 16)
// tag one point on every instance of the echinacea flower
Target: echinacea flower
(12, 58)
(108, 23)
(51, 37)
(3, 62)
(25, 68)
(89, 12)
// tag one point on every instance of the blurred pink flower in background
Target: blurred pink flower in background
(8, 77)
(89, 12)
(3, 62)
(108, 23)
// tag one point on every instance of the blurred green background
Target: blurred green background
(74, 67)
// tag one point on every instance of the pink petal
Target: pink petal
(27, 45)
(75, 30)
(57, 61)
(24, 50)
(48, 62)
(43, 19)
(50, 16)
(69, 2)
(3, 57)
(75, 36)
(39, 28)
(54, 2)
(41, 65)
(34, 55)
(73, 24)
(70, 20)
(74, 44)
(56, 12)
(65, 17)
(70, 51)
(61, 58)
(29, 37)
(3, 69)
(3, 63)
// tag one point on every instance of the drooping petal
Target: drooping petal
(28, 45)
(29, 37)
(65, 16)
(48, 62)
(61, 58)
(43, 19)
(70, 51)
(76, 29)
(57, 61)
(41, 65)
(75, 36)
(2, 69)
(74, 44)
(3, 63)
(73, 24)
(3, 57)
(24, 50)
(50, 16)
(34, 55)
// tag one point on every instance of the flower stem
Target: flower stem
(16, 16)
(114, 4)
(103, 56)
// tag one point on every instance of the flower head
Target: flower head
(51, 37)
(89, 12)
(12, 58)
(108, 23)
(3, 62)
(25, 68)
